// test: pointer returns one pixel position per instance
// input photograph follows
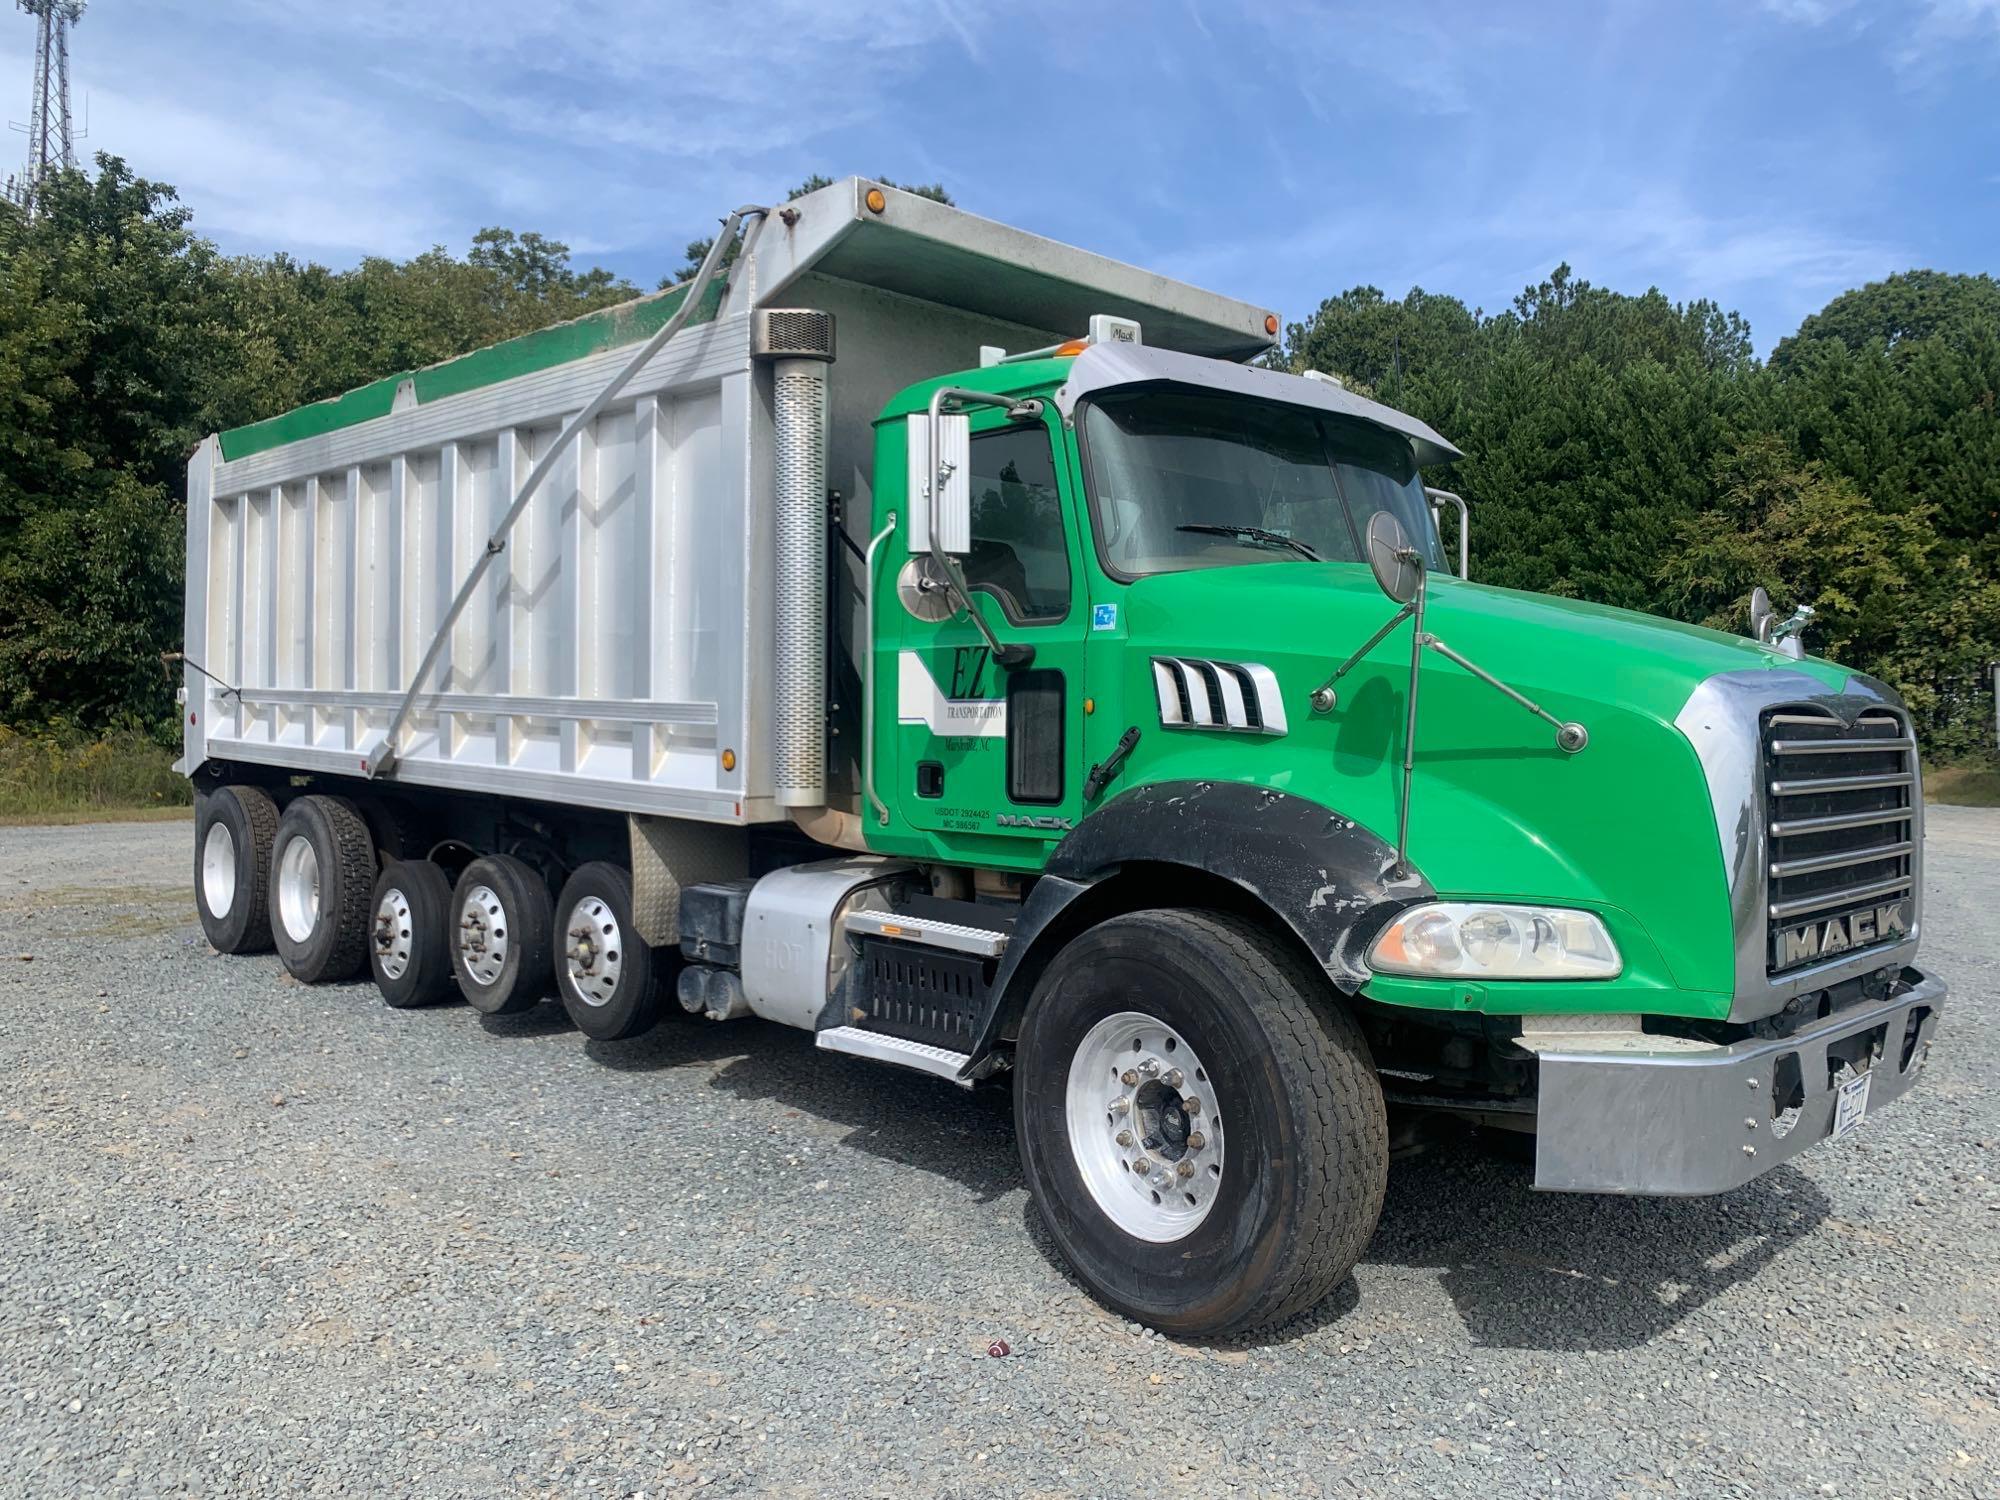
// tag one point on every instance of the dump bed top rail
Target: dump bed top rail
(914, 247)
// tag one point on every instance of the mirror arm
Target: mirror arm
(1007, 654)
(1323, 699)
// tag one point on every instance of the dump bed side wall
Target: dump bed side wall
(613, 649)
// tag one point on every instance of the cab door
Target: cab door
(985, 749)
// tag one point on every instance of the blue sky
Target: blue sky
(1767, 155)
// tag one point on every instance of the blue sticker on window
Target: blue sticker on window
(1104, 617)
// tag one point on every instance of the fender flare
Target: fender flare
(1330, 880)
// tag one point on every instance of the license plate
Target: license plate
(1850, 1105)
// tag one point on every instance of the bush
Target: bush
(65, 771)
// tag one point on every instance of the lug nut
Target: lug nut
(1196, 1141)
(1142, 1166)
(1129, 1077)
(1174, 1079)
(1150, 1067)
(1119, 1106)
(1184, 1169)
(1749, 1150)
(1191, 1104)
(1124, 1137)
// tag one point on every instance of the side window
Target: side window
(1018, 553)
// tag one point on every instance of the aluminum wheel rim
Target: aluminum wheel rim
(298, 889)
(392, 933)
(1143, 1127)
(595, 953)
(218, 869)
(482, 934)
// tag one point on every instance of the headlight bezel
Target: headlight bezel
(1523, 941)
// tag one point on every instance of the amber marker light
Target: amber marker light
(1271, 324)
(729, 760)
(875, 201)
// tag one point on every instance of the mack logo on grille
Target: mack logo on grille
(1861, 929)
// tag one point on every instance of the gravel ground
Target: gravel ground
(265, 1239)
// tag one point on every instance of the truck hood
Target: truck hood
(1496, 809)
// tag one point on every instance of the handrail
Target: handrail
(1464, 526)
(868, 715)
(385, 754)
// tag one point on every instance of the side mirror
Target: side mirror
(1762, 615)
(948, 475)
(1397, 569)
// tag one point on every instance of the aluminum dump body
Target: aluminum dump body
(623, 640)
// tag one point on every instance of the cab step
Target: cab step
(937, 1061)
(916, 926)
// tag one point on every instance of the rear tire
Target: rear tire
(604, 971)
(500, 948)
(409, 941)
(1245, 1237)
(322, 872)
(234, 828)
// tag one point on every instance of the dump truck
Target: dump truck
(961, 647)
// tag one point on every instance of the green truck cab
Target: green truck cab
(1677, 947)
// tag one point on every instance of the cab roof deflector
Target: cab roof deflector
(1103, 366)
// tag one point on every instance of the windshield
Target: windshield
(1195, 479)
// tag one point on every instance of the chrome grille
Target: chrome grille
(1840, 876)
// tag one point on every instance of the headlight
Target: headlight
(1481, 941)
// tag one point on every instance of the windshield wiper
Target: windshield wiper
(1255, 534)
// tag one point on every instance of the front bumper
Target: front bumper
(1684, 1122)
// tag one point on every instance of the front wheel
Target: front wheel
(1201, 1126)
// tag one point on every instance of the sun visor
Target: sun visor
(1105, 366)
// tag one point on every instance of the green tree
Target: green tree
(1891, 594)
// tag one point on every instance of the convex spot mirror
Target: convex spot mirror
(1762, 615)
(953, 502)
(1398, 569)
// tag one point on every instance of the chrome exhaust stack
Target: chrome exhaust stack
(798, 343)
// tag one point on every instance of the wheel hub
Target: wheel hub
(298, 889)
(392, 933)
(594, 957)
(482, 934)
(218, 869)
(1140, 1108)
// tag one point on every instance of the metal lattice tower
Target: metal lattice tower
(51, 136)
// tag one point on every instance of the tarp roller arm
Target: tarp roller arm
(736, 224)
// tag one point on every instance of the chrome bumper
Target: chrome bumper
(1680, 1123)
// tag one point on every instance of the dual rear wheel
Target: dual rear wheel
(307, 883)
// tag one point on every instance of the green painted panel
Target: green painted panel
(627, 323)
(362, 405)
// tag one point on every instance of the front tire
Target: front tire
(1200, 1125)
(500, 947)
(604, 970)
(322, 871)
(233, 831)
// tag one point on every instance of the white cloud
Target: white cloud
(378, 126)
